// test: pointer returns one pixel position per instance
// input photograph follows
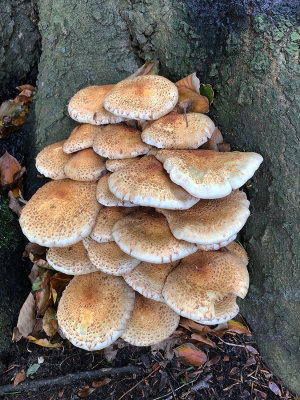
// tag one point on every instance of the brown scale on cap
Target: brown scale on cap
(119, 141)
(94, 310)
(85, 166)
(146, 97)
(171, 132)
(106, 197)
(116, 165)
(60, 213)
(51, 161)
(147, 237)
(150, 323)
(82, 137)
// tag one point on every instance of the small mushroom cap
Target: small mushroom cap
(94, 310)
(107, 217)
(116, 165)
(150, 323)
(81, 137)
(224, 310)
(171, 132)
(106, 197)
(147, 237)
(210, 222)
(119, 141)
(85, 166)
(60, 213)
(207, 174)
(71, 260)
(148, 279)
(238, 250)
(51, 161)
(145, 183)
(86, 106)
(109, 258)
(145, 97)
(201, 280)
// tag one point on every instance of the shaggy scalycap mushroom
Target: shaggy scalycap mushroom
(150, 323)
(51, 161)
(82, 137)
(115, 165)
(146, 97)
(106, 197)
(85, 166)
(60, 213)
(94, 310)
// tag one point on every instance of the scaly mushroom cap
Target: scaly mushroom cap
(148, 279)
(210, 222)
(239, 251)
(144, 97)
(82, 137)
(147, 237)
(116, 165)
(94, 310)
(51, 161)
(85, 166)
(203, 279)
(150, 323)
(171, 132)
(86, 106)
(207, 174)
(71, 260)
(106, 197)
(107, 217)
(60, 213)
(119, 141)
(145, 183)
(109, 258)
(224, 310)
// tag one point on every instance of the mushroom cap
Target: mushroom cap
(51, 161)
(85, 166)
(107, 217)
(106, 197)
(147, 237)
(86, 106)
(94, 310)
(115, 165)
(145, 183)
(208, 174)
(210, 222)
(71, 260)
(148, 279)
(150, 323)
(171, 132)
(81, 137)
(224, 310)
(145, 97)
(202, 279)
(109, 258)
(60, 213)
(238, 250)
(119, 141)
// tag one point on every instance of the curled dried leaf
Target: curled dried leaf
(238, 327)
(10, 171)
(26, 319)
(20, 377)
(149, 68)
(188, 354)
(44, 342)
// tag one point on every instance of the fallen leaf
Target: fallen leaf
(24, 87)
(101, 382)
(20, 377)
(251, 349)
(207, 91)
(44, 342)
(34, 248)
(42, 298)
(58, 282)
(189, 88)
(149, 68)
(85, 392)
(275, 389)
(203, 339)
(10, 171)
(238, 327)
(251, 361)
(50, 325)
(13, 204)
(188, 354)
(234, 371)
(26, 319)
(32, 369)
(214, 360)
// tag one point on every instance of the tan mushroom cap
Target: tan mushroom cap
(71, 260)
(171, 132)
(119, 141)
(107, 217)
(147, 237)
(224, 310)
(94, 310)
(109, 258)
(210, 222)
(145, 183)
(148, 279)
(60, 213)
(106, 197)
(208, 174)
(239, 251)
(86, 106)
(203, 279)
(150, 323)
(145, 97)
(81, 137)
(116, 165)
(85, 166)
(51, 161)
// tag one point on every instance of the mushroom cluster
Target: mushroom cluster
(143, 219)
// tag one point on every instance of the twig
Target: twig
(176, 390)
(31, 386)
(231, 344)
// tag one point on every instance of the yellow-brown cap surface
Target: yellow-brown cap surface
(81, 137)
(106, 197)
(51, 161)
(115, 165)
(85, 166)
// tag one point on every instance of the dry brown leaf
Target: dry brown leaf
(20, 377)
(189, 88)
(188, 354)
(101, 382)
(43, 300)
(24, 87)
(251, 349)
(44, 342)
(13, 204)
(50, 325)
(34, 248)
(149, 68)
(238, 327)
(251, 361)
(190, 82)
(85, 392)
(10, 171)
(26, 319)
(214, 360)
(203, 339)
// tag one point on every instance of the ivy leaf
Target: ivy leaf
(207, 91)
